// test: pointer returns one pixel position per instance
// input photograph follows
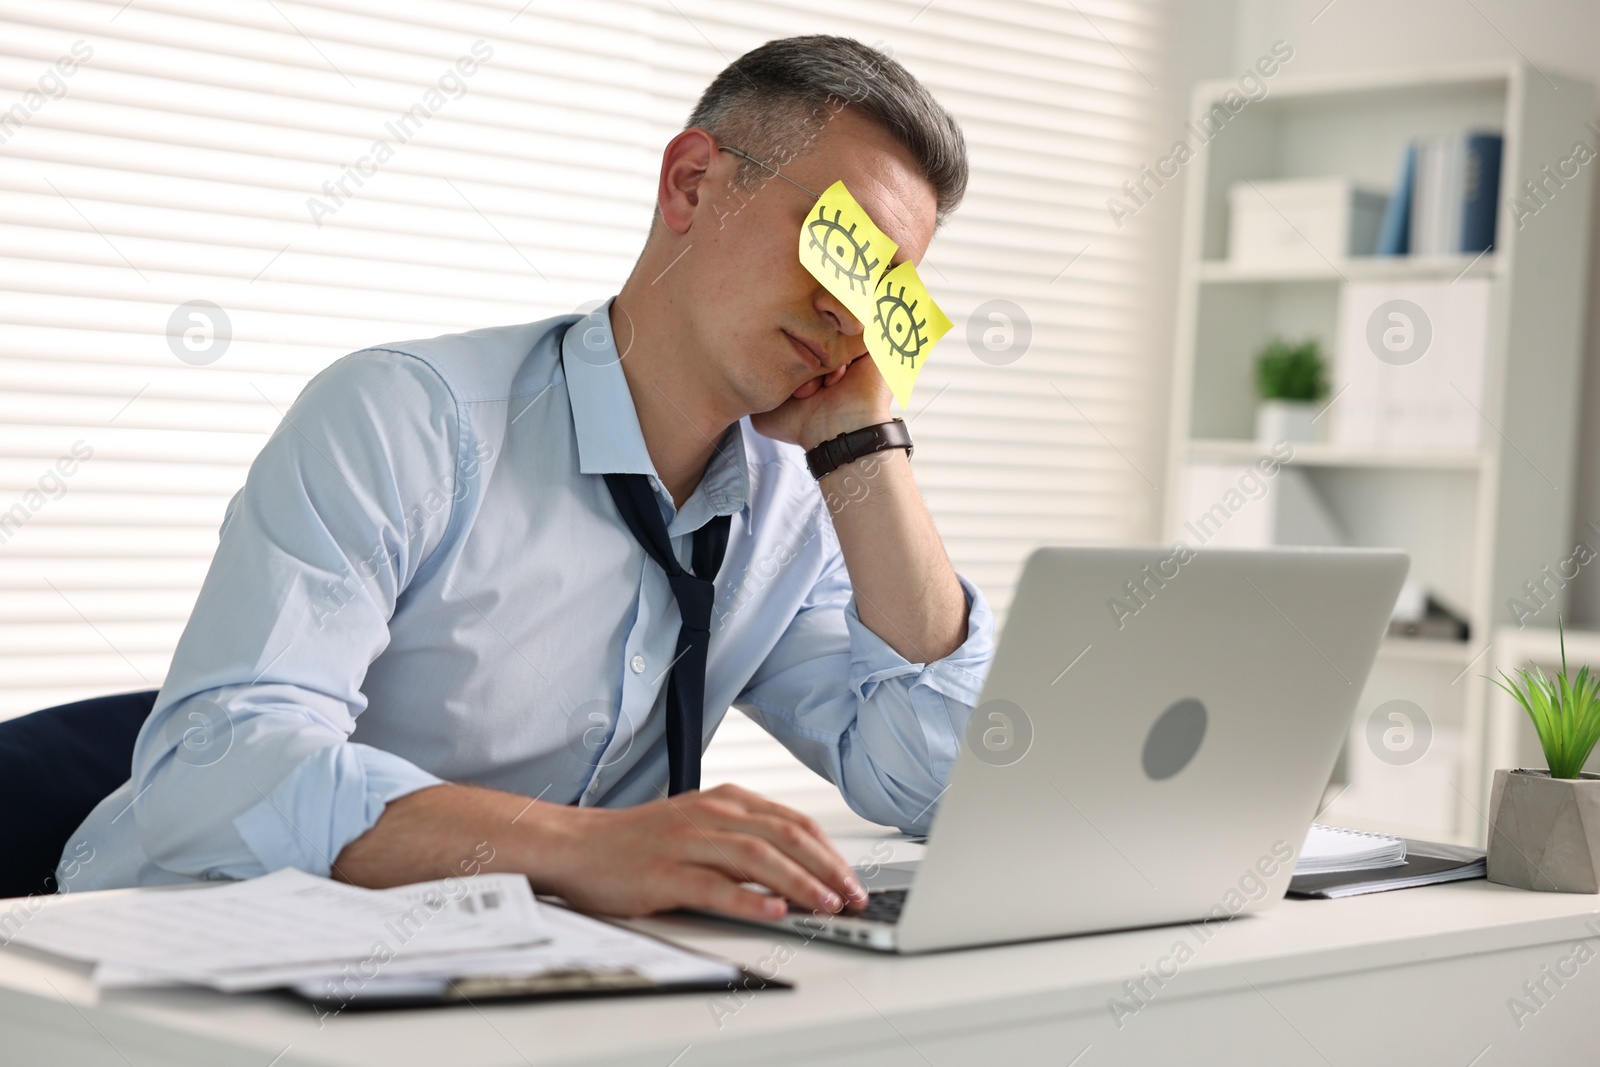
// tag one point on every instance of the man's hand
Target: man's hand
(693, 850)
(846, 399)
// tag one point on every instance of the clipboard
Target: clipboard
(559, 985)
(552, 985)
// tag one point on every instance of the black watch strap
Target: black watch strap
(832, 454)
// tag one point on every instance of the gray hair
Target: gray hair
(774, 101)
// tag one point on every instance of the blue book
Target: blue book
(1480, 191)
(1394, 232)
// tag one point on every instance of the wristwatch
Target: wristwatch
(834, 453)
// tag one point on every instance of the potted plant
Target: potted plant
(1290, 379)
(1544, 826)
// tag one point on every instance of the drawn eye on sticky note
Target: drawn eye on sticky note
(844, 249)
(904, 327)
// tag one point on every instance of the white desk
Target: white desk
(1420, 976)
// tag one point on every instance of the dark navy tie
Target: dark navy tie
(686, 684)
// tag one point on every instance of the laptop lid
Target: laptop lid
(1152, 741)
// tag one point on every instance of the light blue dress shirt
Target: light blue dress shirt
(424, 579)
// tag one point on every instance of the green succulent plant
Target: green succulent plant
(1288, 370)
(1565, 712)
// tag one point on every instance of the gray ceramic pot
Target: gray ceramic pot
(1544, 832)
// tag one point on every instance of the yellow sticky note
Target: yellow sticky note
(904, 327)
(844, 249)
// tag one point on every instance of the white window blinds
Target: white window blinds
(328, 175)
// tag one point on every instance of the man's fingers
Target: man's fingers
(795, 833)
(752, 858)
(715, 891)
(814, 852)
(753, 839)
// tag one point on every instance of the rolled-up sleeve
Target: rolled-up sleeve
(245, 765)
(883, 729)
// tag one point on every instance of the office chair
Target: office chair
(55, 766)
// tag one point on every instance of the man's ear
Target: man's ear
(685, 164)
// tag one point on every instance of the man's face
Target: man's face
(767, 327)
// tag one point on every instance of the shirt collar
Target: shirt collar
(607, 427)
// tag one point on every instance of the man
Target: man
(430, 637)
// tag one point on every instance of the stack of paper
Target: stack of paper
(1330, 849)
(337, 942)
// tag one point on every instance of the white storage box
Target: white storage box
(1302, 222)
(1409, 362)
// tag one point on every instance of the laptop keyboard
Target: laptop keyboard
(884, 905)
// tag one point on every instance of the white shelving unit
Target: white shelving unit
(1477, 523)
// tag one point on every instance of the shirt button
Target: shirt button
(637, 663)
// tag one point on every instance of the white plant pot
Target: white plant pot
(1286, 420)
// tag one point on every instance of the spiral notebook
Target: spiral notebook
(1332, 849)
(1336, 862)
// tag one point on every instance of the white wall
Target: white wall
(1562, 35)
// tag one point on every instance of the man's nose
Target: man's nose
(845, 322)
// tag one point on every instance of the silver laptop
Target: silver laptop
(1150, 747)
